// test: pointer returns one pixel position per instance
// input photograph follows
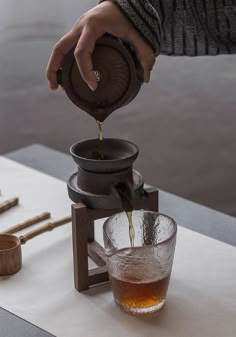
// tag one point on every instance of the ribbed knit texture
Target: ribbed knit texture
(184, 27)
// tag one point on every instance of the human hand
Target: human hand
(104, 18)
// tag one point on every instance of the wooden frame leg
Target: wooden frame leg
(91, 231)
(150, 199)
(80, 246)
(97, 254)
(153, 198)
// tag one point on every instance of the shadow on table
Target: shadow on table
(98, 289)
(189, 310)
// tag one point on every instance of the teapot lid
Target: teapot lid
(118, 73)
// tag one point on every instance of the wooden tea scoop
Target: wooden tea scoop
(4, 206)
(10, 246)
(27, 223)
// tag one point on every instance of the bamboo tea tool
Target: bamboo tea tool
(27, 223)
(10, 246)
(4, 206)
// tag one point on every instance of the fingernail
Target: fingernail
(92, 86)
(53, 86)
(147, 79)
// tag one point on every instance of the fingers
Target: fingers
(55, 62)
(83, 55)
(105, 17)
(147, 60)
(147, 68)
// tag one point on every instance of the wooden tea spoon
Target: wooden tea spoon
(10, 246)
(27, 223)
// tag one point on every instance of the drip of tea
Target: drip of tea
(126, 193)
(100, 132)
(99, 155)
(131, 228)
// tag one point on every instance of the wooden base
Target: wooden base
(84, 245)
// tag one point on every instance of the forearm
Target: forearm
(145, 18)
(183, 27)
(197, 27)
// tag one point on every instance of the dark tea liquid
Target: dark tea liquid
(130, 293)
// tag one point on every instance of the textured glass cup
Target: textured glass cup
(140, 275)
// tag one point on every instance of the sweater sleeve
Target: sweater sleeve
(145, 18)
(184, 27)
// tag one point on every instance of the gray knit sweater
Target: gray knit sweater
(184, 27)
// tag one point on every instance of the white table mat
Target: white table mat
(201, 298)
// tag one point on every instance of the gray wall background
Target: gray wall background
(183, 121)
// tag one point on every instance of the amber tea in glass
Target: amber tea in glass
(140, 274)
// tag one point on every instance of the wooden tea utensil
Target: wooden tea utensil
(4, 206)
(27, 223)
(10, 246)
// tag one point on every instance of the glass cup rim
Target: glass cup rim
(146, 246)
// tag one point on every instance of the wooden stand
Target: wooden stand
(84, 244)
